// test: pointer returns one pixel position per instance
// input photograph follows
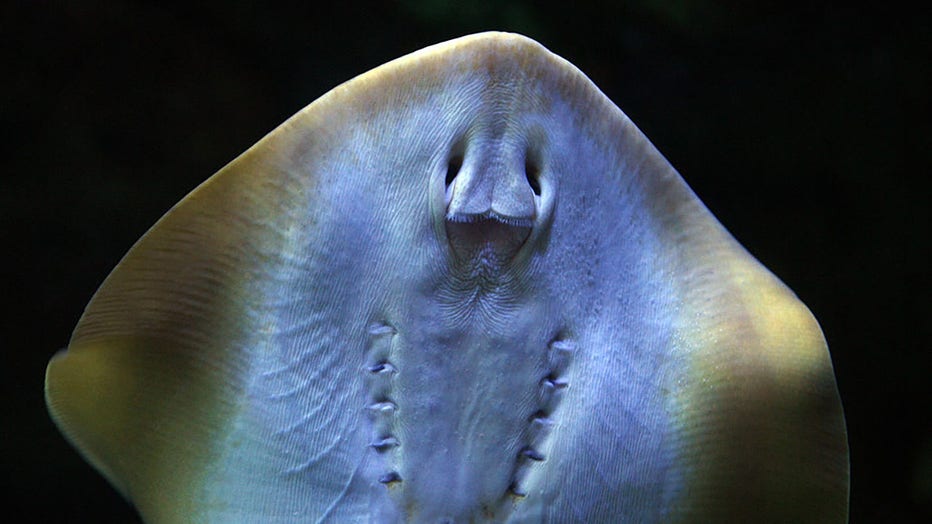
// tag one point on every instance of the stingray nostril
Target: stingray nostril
(532, 172)
(453, 167)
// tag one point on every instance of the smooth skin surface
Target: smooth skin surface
(462, 287)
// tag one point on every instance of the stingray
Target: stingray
(462, 287)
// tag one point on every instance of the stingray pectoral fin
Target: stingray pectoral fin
(141, 412)
(762, 432)
(153, 374)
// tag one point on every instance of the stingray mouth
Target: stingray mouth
(488, 237)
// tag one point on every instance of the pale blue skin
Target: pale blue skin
(469, 340)
(463, 287)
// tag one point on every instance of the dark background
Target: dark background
(805, 130)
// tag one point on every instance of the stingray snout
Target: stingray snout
(492, 183)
